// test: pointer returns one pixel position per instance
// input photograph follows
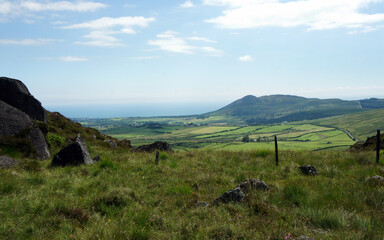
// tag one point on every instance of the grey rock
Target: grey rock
(308, 170)
(111, 143)
(202, 204)
(6, 162)
(75, 154)
(240, 191)
(16, 94)
(376, 180)
(252, 184)
(158, 145)
(234, 195)
(12, 120)
(38, 141)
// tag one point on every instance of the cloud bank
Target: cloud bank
(104, 29)
(313, 14)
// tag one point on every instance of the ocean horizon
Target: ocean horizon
(133, 110)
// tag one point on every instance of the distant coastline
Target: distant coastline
(133, 110)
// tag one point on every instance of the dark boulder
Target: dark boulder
(6, 162)
(240, 191)
(156, 146)
(16, 94)
(308, 170)
(14, 122)
(75, 154)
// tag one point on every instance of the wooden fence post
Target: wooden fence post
(157, 158)
(276, 152)
(378, 145)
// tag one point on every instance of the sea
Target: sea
(133, 110)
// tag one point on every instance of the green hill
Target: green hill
(280, 108)
(360, 125)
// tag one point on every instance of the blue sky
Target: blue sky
(198, 51)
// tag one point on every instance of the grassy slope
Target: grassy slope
(361, 125)
(127, 197)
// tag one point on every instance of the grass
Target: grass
(291, 136)
(126, 196)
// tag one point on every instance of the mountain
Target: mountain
(280, 108)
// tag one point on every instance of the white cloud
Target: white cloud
(22, 6)
(212, 51)
(101, 39)
(170, 41)
(27, 42)
(104, 29)
(187, 4)
(246, 58)
(79, 6)
(202, 39)
(5, 7)
(73, 59)
(107, 22)
(313, 14)
(146, 57)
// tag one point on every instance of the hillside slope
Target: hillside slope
(280, 108)
(360, 125)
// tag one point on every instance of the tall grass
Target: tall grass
(126, 196)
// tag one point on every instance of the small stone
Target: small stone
(308, 170)
(7, 162)
(97, 158)
(202, 204)
(252, 184)
(196, 187)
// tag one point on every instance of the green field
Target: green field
(222, 132)
(226, 137)
(360, 125)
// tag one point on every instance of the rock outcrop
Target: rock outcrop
(240, 191)
(15, 122)
(6, 162)
(16, 94)
(369, 145)
(75, 154)
(12, 120)
(156, 146)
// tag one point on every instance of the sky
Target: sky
(204, 52)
